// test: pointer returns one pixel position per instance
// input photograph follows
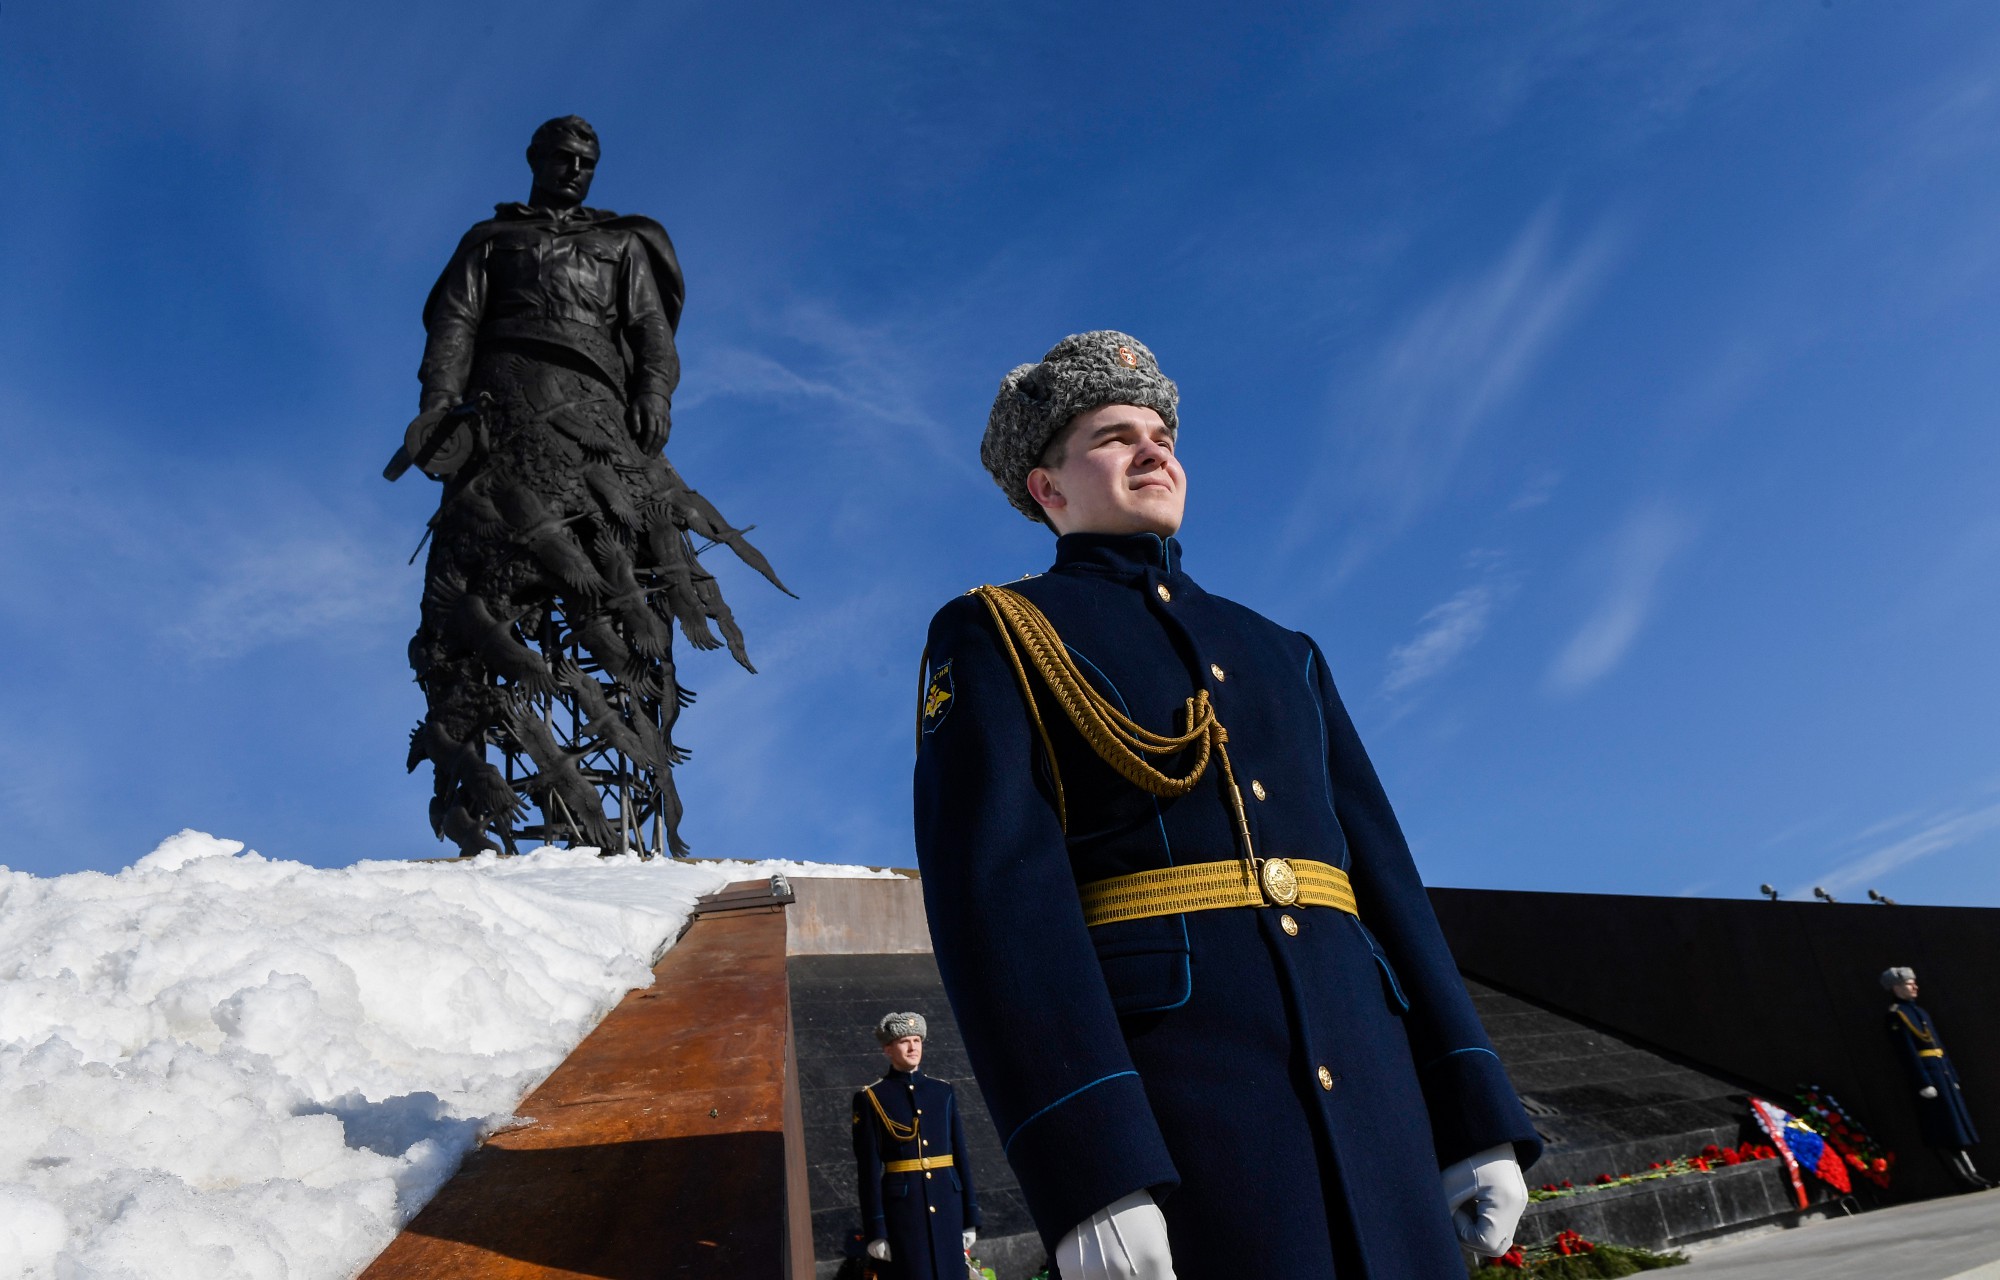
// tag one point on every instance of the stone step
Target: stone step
(1670, 1212)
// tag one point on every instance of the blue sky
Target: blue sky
(1608, 387)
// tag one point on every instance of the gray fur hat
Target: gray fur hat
(1078, 374)
(894, 1026)
(1890, 977)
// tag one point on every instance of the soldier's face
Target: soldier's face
(563, 171)
(1906, 990)
(906, 1053)
(1117, 474)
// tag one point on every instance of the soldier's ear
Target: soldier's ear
(1042, 487)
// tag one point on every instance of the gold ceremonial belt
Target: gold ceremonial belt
(1930, 1053)
(1207, 886)
(919, 1165)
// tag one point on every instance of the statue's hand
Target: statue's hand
(448, 456)
(651, 422)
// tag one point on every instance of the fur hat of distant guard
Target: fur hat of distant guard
(894, 1026)
(1903, 973)
(1078, 374)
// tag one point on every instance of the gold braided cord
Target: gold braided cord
(1206, 886)
(1119, 741)
(1915, 1030)
(900, 1132)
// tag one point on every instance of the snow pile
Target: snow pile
(223, 1066)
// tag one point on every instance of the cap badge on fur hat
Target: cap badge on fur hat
(1128, 357)
(894, 1026)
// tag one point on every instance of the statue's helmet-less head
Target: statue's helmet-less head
(563, 155)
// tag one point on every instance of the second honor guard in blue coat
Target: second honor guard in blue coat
(1941, 1111)
(1199, 980)
(917, 1206)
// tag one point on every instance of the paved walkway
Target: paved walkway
(1955, 1238)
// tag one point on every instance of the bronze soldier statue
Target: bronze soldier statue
(562, 549)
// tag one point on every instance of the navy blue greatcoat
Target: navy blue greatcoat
(922, 1214)
(1945, 1120)
(1286, 1082)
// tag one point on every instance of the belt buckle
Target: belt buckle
(1280, 882)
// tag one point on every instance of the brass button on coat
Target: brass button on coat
(1289, 925)
(1257, 789)
(1217, 672)
(1325, 1079)
(1166, 596)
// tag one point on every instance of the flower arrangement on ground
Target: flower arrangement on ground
(1571, 1257)
(1868, 1158)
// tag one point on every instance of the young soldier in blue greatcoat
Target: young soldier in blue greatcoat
(1200, 982)
(917, 1205)
(1941, 1111)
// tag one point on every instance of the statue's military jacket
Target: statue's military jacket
(922, 1213)
(1945, 1120)
(1287, 1082)
(602, 290)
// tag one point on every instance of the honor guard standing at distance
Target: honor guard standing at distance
(1199, 979)
(917, 1206)
(1941, 1110)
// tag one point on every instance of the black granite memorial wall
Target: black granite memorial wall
(1769, 995)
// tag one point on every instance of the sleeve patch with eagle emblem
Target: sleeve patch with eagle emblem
(938, 696)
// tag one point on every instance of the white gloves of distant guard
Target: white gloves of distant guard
(879, 1249)
(1928, 1091)
(1487, 1196)
(1126, 1240)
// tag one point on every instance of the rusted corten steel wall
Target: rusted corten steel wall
(667, 1144)
(1770, 994)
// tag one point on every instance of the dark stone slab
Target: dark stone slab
(1669, 1212)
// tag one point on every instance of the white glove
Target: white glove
(1928, 1091)
(878, 1250)
(1487, 1196)
(967, 1236)
(1121, 1241)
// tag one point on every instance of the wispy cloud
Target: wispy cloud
(304, 586)
(864, 375)
(1448, 630)
(1645, 69)
(208, 565)
(1946, 830)
(1416, 401)
(1536, 492)
(1443, 634)
(1635, 561)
